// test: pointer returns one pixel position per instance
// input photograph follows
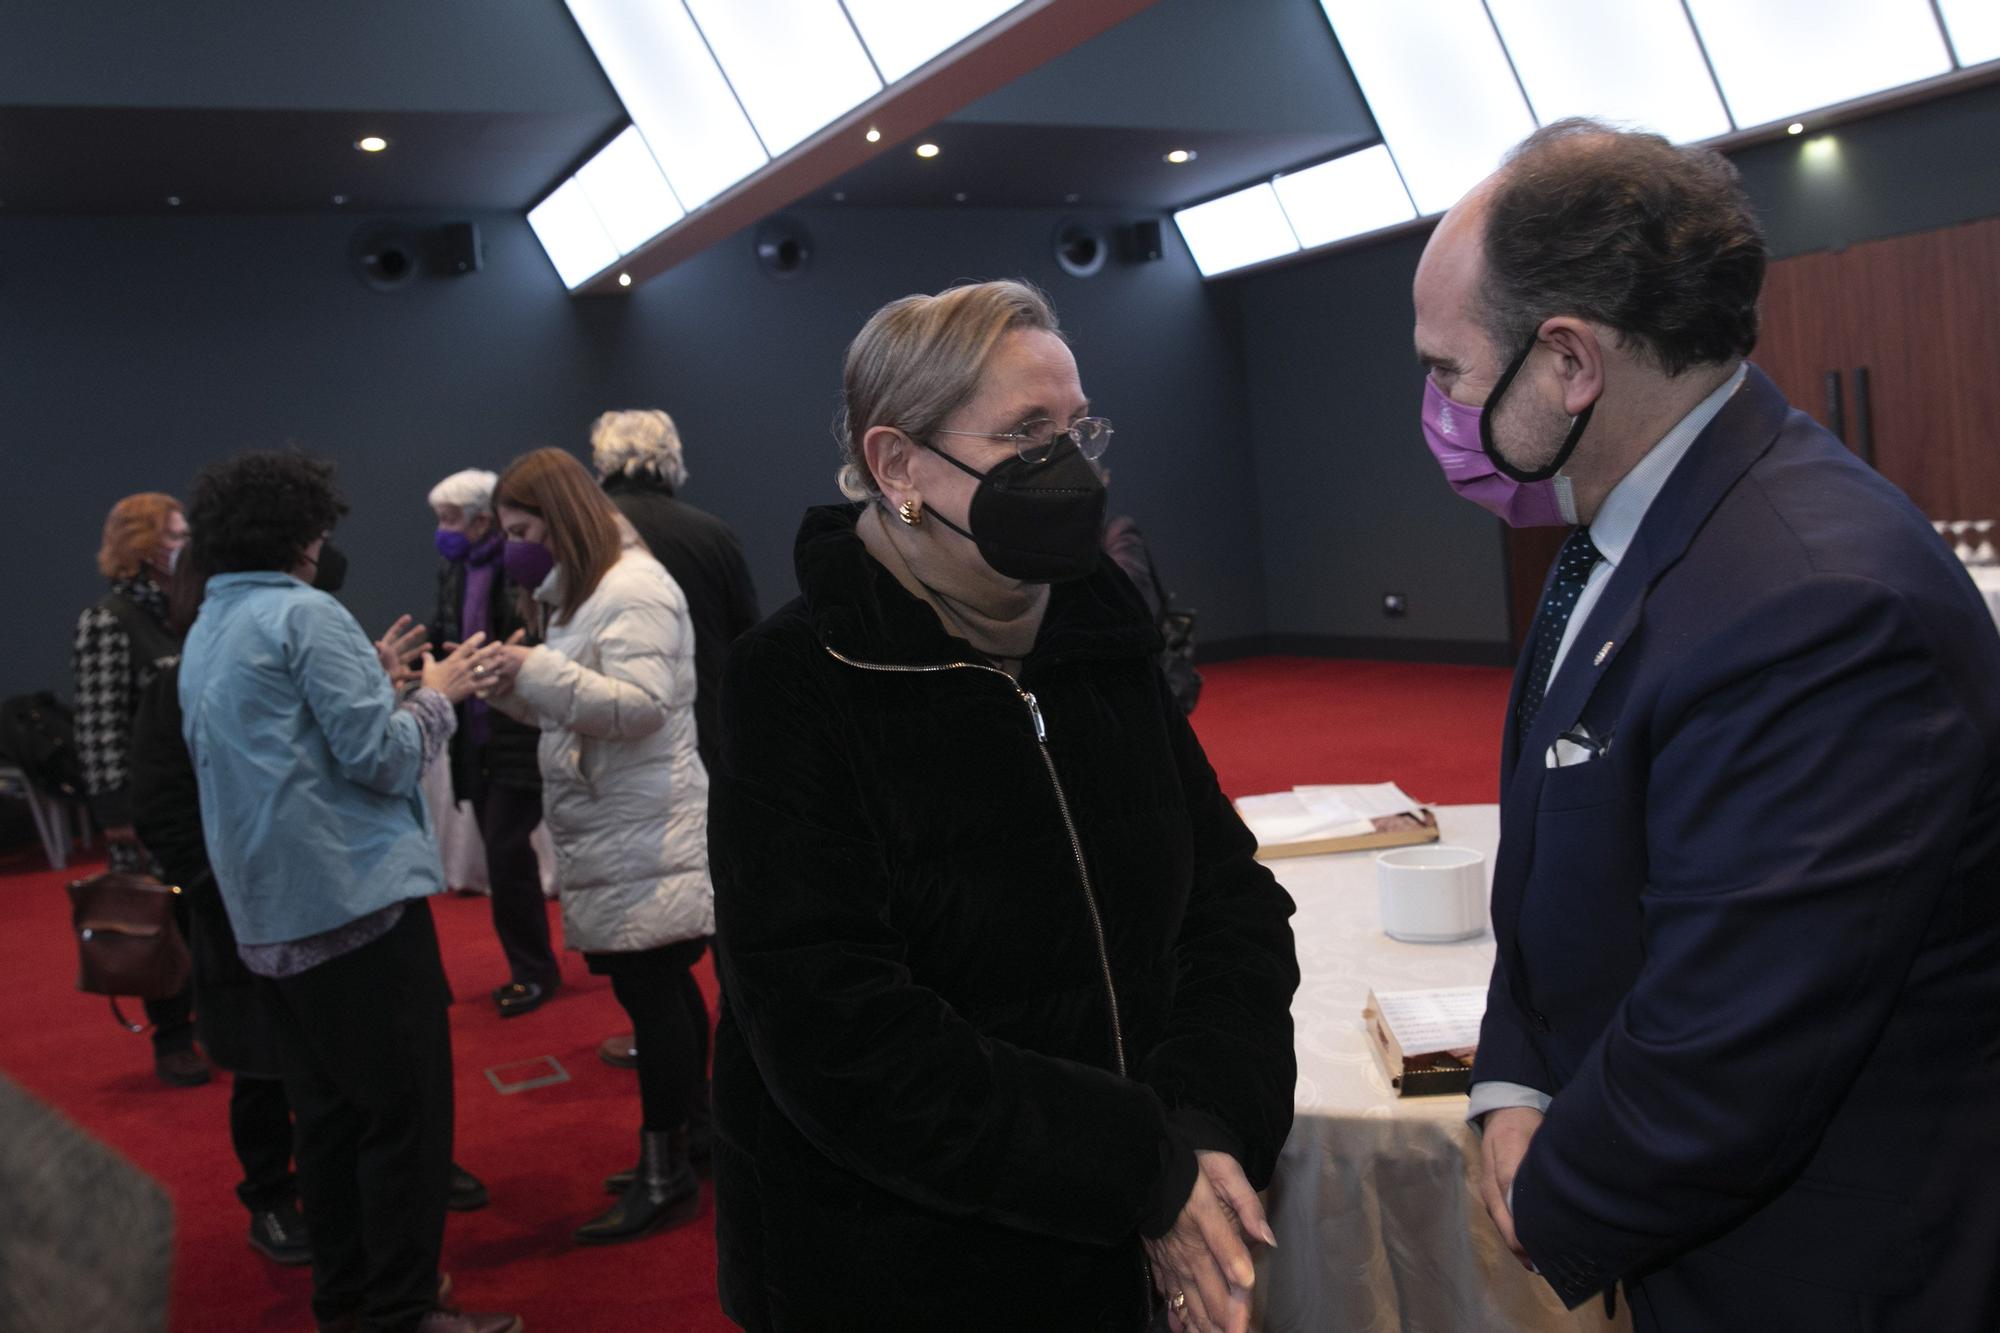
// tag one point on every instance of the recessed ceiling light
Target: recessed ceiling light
(1796, 127)
(1180, 155)
(173, 201)
(874, 135)
(927, 150)
(339, 199)
(1071, 198)
(961, 196)
(373, 143)
(624, 279)
(840, 196)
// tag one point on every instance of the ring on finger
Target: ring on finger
(1178, 1301)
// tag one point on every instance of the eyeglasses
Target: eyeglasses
(1035, 440)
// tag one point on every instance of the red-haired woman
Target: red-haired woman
(121, 639)
(624, 793)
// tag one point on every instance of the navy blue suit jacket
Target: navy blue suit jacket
(1753, 949)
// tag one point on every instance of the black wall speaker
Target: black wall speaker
(1143, 243)
(386, 257)
(783, 247)
(1080, 248)
(457, 248)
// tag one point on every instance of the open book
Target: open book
(1425, 1039)
(1307, 821)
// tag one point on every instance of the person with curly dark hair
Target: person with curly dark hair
(309, 770)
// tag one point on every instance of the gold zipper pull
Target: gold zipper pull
(1035, 712)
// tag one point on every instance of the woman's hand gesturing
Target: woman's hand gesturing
(397, 648)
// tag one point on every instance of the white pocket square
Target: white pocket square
(1566, 753)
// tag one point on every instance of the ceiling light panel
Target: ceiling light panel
(1438, 82)
(1238, 229)
(628, 193)
(796, 64)
(671, 87)
(575, 238)
(1358, 193)
(1974, 26)
(903, 34)
(1777, 58)
(1635, 62)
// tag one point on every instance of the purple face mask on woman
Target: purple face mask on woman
(1452, 432)
(527, 563)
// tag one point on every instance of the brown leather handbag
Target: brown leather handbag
(127, 941)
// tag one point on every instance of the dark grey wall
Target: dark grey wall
(138, 348)
(1350, 503)
(1925, 166)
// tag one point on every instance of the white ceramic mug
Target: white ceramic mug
(1432, 895)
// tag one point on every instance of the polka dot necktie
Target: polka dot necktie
(1573, 565)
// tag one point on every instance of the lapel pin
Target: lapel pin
(1602, 653)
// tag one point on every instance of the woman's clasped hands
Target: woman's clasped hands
(459, 673)
(1202, 1265)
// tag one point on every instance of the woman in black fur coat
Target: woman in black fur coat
(1006, 1037)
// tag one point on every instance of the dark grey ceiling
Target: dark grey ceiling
(113, 106)
(1252, 87)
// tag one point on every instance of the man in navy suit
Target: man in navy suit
(1741, 1051)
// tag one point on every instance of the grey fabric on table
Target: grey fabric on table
(86, 1238)
(1376, 1198)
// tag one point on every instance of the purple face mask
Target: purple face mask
(1452, 432)
(453, 545)
(527, 563)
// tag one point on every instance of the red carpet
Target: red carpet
(1267, 723)
(1270, 723)
(543, 1153)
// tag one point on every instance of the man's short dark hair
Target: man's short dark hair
(1629, 231)
(260, 510)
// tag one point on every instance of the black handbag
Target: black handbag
(127, 940)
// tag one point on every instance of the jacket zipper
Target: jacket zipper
(1062, 805)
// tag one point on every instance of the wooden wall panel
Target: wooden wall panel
(1922, 314)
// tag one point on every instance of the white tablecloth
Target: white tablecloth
(1988, 579)
(1376, 1201)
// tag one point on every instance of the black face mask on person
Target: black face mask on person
(330, 570)
(1036, 522)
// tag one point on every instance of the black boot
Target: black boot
(701, 1144)
(664, 1192)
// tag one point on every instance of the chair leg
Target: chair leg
(52, 827)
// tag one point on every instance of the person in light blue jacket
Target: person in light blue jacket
(309, 769)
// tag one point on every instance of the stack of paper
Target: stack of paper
(1309, 820)
(1426, 1038)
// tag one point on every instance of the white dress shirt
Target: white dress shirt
(1612, 531)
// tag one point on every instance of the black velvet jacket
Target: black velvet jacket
(921, 1114)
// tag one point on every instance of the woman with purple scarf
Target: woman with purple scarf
(493, 761)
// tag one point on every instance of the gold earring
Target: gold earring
(911, 512)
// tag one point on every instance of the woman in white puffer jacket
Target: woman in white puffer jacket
(624, 793)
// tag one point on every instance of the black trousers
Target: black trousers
(367, 1054)
(260, 1130)
(507, 819)
(669, 1026)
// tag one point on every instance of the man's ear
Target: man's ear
(1581, 367)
